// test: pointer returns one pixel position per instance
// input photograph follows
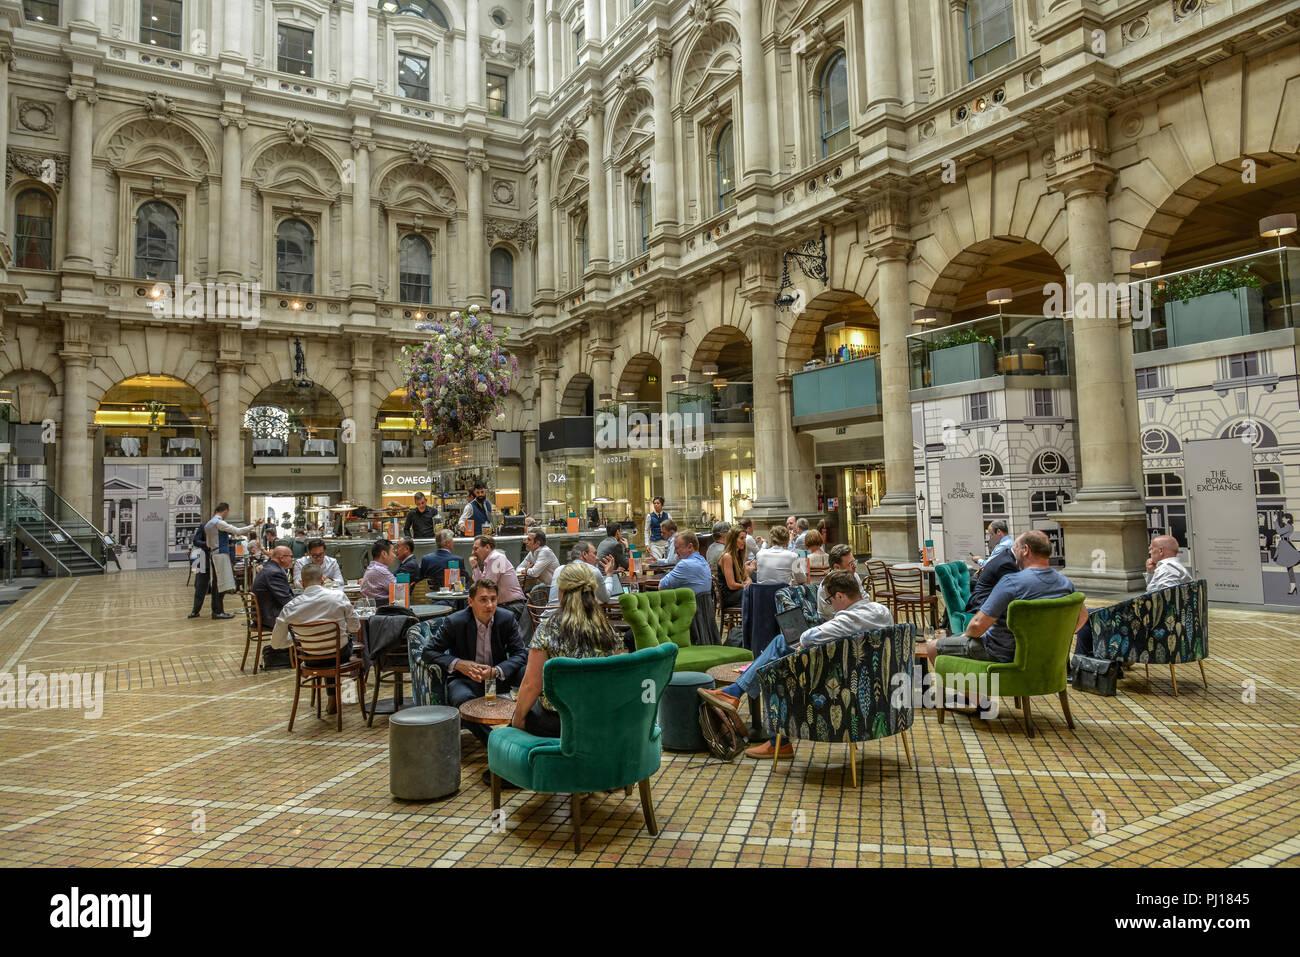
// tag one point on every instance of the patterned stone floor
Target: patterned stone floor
(190, 763)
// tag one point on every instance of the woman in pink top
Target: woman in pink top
(379, 575)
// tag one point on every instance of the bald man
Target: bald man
(1164, 570)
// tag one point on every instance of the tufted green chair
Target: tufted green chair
(1044, 630)
(954, 585)
(659, 617)
(608, 736)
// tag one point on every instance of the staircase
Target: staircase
(52, 530)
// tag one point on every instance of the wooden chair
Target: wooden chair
(389, 666)
(910, 599)
(535, 613)
(253, 629)
(315, 656)
(728, 618)
(882, 589)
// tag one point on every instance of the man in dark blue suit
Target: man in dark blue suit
(435, 563)
(475, 643)
(271, 591)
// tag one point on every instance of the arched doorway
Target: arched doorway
(297, 452)
(152, 444)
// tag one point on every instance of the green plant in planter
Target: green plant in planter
(959, 338)
(1190, 286)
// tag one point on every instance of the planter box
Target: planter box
(1220, 315)
(964, 363)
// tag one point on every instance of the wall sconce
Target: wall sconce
(920, 500)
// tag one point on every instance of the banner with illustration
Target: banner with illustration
(1219, 475)
(963, 516)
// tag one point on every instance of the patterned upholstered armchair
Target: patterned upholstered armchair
(428, 683)
(843, 692)
(1169, 626)
(799, 596)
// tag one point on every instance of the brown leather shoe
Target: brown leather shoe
(766, 750)
(720, 700)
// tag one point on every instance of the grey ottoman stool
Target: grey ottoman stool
(679, 711)
(424, 753)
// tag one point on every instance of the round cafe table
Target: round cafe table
(490, 711)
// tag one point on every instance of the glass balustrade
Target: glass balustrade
(1002, 345)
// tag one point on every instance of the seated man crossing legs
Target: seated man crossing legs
(853, 614)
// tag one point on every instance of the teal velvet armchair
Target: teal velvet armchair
(954, 585)
(608, 736)
(1044, 630)
(664, 617)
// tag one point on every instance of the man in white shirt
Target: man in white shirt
(854, 614)
(1164, 570)
(842, 559)
(540, 564)
(330, 570)
(583, 552)
(317, 603)
(218, 534)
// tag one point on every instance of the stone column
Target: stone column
(234, 258)
(83, 13)
(1105, 526)
(882, 53)
(670, 364)
(476, 164)
(592, 13)
(233, 44)
(362, 242)
(541, 50)
(754, 93)
(361, 454)
(800, 454)
(545, 229)
(6, 55)
(360, 41)
(760, 272)
(547, 372)
(74, 454)
(597, 201)
(80, 194)
(475, 78)
(530, 484)
(229, 473)
(960, 66)
(664, 176)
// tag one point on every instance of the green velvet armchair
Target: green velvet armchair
(1044, 630)
(608, 736)
(954, 585)
(664, 617)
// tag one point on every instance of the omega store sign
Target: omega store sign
(405, 481)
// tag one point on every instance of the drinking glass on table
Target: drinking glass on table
(490, 687)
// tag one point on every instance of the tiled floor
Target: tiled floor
(191, 763)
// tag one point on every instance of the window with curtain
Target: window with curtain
(157, 241)
(835, 104)
(726, 149)
(42, 11)
(415, 270)
(413, 76)
(33, 230)
(647, 216)
(295, 257)
(296, 50)
(990, 35)
(160, 23)
(424, 9)
(503, 278)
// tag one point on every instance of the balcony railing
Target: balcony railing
(837, 387)
(727, 405)
(404, 445)
(1224, 300)
(1011, 346)
(166, 441)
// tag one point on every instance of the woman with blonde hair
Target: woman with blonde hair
(777, 565)
(577, 629)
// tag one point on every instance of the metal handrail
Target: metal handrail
(63, 502)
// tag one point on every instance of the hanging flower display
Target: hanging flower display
(459, 378)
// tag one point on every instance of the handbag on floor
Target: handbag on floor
(720, 734)
(1094, 675)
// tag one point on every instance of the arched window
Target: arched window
(835, 104)
(989, 464)
(424, 9)
(1050, 462)
(990, 35)
(503, 280)
(295, 257)
(726, 147)
(415, 272)
(647, 216)
(157, 241)
(33, 230)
